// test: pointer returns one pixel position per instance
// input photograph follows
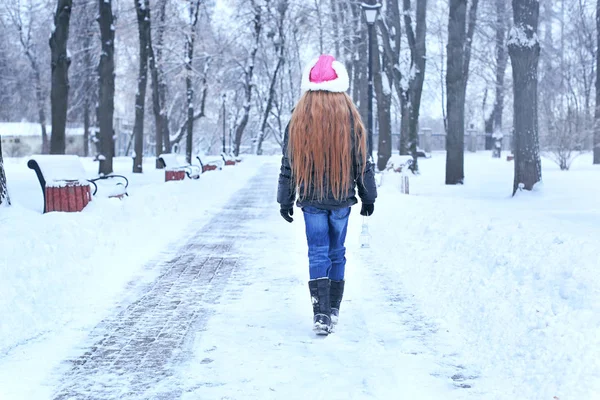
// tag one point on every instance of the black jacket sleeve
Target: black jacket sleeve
(365, 182)
(286, 191)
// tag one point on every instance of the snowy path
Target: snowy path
(229, 318)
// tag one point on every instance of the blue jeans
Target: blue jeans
(326, 234)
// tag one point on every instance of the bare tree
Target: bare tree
(106, 84)
(566, 136)
(59, 94)
(524, 51)
(457, 74)
(4, 199)
(279, 45)
(390, 27)
(142, 8)
(597, 112)
(89, 83)
(194, 11)
(416, 42)
(84, 54)
(383, 93)
(248, 74)
(493, 124)
(159, 86)
(25, 28)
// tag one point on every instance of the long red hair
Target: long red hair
(321, 147)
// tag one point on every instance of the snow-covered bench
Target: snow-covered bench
(175, 170)
(65, 186)
(230, 159)
(209, 163)
(398, 163)
(401, 164)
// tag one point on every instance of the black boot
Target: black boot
(321, 301)
(337, 292)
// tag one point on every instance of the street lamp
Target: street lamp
(224, 96)
(370, 11)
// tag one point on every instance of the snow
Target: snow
(461, 285)
(60, 168)
(515, 279)
(387, 88)
(63, 271)
(519, 37)
(23, 129)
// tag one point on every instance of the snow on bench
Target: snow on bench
(400, 164)
(175, 170)
(230, 159)
(64, 183)
(209, 163)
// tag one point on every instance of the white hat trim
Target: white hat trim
(341, 84)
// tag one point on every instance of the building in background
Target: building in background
(20, 139)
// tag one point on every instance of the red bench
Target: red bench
(208, 163)
(175, 170)
(64, 185)
(229, 159)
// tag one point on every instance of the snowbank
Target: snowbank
(515, 280)
(58, 269)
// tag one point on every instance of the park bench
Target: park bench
(209, 163)
(230, 159)
(401, 164)
(64, 183)
(176, 170)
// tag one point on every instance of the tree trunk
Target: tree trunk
(360, 80)
(336, 27)
(248, 83)
(524, 51)
(280, 49)
(39, 95)
(159, 88)
(162, 83)
(597, 113)
(455, 93)
(194, 11)
(391, 32)
(156, 105)
(404, 120)
(143, 17)
(88, 85)
(4, 199)
(86, 127)
(106, 87)
(416, 41)
(383, 93)
(59, 93)
(494, 125)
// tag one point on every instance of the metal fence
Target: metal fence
(430, 141)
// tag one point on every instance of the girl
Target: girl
(325, 158)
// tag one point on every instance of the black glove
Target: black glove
(367, 209)
(287, 212)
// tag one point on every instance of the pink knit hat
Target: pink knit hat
(325, 73)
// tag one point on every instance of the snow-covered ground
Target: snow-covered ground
(515, 280)
(66, 270)
(462, 286)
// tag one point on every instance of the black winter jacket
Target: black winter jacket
(367, 189)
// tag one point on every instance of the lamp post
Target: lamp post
(224, 96)
(370, 11)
